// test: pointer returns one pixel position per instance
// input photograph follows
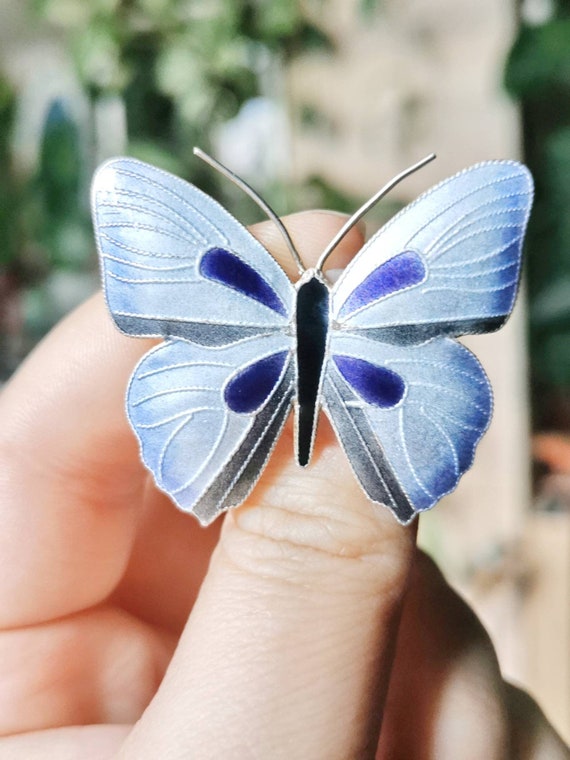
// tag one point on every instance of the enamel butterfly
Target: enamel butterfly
(375, 351)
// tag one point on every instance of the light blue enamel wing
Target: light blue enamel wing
(376, 350)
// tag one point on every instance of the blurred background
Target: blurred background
(317, 104)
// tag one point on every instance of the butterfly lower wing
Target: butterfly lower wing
(176, 264)
(204, 430)
(447, 264)
(362, 447)
(409, 442)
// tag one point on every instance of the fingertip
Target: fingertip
(311, 231)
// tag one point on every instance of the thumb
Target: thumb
(288, 650)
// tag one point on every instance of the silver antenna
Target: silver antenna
(345, 229)
(265, 207)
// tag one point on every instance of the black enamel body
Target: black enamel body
(312, 317)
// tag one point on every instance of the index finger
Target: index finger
(289, 646)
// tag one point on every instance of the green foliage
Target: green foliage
(540, 60)
(182, 67)
(8, 193)
(61, 224)
(538, 74)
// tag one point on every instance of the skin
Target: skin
(304, 625)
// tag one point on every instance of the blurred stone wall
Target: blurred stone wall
(412, 78)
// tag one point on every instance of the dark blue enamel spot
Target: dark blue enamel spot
(376, 385)
(251, 387)
(398, 273)
(227, 268)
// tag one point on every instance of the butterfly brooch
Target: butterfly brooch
(243, 344)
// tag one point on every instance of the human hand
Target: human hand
(292, 634)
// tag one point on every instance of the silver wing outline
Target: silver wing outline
(152, 230)
(468, 232)
(411, 455)
(205, 456)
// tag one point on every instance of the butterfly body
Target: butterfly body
(312, 319)
(243, 345)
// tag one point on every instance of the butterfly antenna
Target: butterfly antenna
(367, 206)
(265, 207)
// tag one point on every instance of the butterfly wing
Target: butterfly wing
(207, 418)
(176, 264)
(448, 264)
(410, 405)
(409, 420)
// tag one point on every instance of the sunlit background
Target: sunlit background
(317, 104)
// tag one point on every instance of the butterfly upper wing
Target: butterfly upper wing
(448, 264)
(409, 419)
(207, 418)
(176, 264)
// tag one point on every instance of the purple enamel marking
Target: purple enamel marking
(225, 267)
(376, 385)
(398, 273)
(251, 387)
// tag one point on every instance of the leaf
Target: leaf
(551, 308)
(539, 60)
